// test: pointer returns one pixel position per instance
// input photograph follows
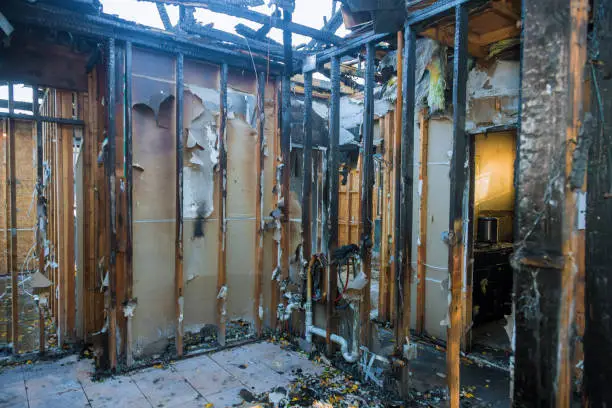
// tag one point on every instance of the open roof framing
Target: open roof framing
(257, 17)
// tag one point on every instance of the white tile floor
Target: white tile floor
(194, 382)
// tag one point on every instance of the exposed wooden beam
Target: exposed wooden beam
(128, 309)
(178, 250)
(285, 148)
(332, 201)
(457, 185)
(11, 178)
(597, 345)
(423, 206)
(246, 13)
(260, 158)
(163, 15)
(221, 208)
(111, 233)
(367, 184)
(554, 52)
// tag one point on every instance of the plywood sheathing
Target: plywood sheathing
(497, 20)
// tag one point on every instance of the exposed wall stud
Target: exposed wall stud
(423, 206)
(332, 201)
(110, 180)
(404, 229)
(457, 186)
(221, 207)
(260, 156)
(178, 267)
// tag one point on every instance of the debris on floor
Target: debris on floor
(332, 388)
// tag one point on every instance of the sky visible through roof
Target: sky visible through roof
(307, 12)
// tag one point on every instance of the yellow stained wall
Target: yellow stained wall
(494, 178)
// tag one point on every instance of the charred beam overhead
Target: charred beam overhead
(259, 34)
(100, 27)
(350, 46)
(458, 179)
(438, 10)
(48, 119)
(244, 12)
(163, 15)
(19, 105)
(330, 26)
(242, 42)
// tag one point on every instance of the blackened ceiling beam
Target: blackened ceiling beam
(102, 26)
(251, 44)
(163, 15)
(330, 26)
(243, 12)
(17, 105)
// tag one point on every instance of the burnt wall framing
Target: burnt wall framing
(546, 257)
(598, 371)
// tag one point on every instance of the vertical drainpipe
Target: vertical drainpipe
(333, 186)
(178, 266)
(457, 183)
(367, 185)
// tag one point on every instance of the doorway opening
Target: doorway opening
(493, 212)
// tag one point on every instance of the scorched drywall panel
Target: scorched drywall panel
(436, 308)
(154, 201)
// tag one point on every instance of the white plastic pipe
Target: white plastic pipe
(351, 357)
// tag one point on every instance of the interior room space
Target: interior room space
(494, 158)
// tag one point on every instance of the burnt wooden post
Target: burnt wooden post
(259, 204)
(332, 201)
(11, 180)
(285, 141)
(597, 345)
(111, 235)
(457, 186)
(129, 180)
(307, 169)
(367, 184)
(554, 45)
(222, 197)
(178, 254)
(40, 211)
(403, 225)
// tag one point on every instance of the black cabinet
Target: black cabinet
(492, 283)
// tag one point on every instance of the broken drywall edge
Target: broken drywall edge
(181, 305)
(129, 308)
(222, 292)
